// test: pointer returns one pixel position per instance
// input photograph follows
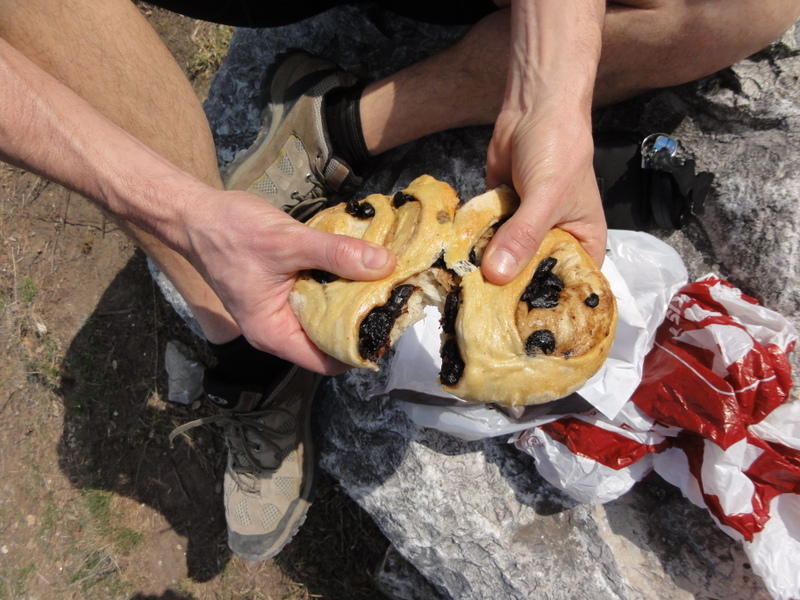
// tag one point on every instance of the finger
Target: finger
(292, 344)
(345, 256)
(304, 353)
(498, 164)
(594, 241)
(589, 226)
(515, 243)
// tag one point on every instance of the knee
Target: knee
(740, 26)
(713, 34)
(777, 17)
(743, 27)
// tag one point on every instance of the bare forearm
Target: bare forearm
(542, 142)
(554, 53)
(47, 128)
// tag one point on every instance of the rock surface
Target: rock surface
(475, 518)
(479, 522)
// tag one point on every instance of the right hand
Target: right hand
(249, 252)
(546, 156)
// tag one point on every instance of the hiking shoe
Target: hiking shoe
(269, 479)
(291, 164)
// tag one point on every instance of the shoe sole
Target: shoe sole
(250, 164)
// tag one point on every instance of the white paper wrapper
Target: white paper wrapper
(644, 274)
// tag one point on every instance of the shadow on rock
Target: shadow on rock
(517, 469)
(696, 555)
(363, 439)
(530, 488)
(116, 425)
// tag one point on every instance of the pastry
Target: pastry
(536, 339)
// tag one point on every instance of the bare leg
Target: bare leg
(107, 53)
(647, 44)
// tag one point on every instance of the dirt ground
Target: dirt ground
(94, 503)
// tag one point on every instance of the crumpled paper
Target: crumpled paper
(712, 416)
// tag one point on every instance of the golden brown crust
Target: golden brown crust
(493, 328)
(416, 231)
(536, 339)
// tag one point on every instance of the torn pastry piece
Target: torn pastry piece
(536, 339)
(358, 321)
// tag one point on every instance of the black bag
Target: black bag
(644, 183)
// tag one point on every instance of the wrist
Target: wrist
(555, 52)
(158, 197)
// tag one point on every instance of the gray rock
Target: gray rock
(185, 373)
(474, 517)
(742, 125)
(479, 523)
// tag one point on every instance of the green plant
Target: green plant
(123, 539)
(27, 290)
(44, 366)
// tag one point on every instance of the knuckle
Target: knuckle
(523, 236)
(341, 252)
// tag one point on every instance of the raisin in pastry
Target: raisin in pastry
(536, 339)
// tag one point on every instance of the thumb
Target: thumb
(515, 243)
(348, 257)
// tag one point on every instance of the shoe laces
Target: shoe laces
(308, 204)
(248, 436)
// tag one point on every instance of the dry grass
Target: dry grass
(211, 42)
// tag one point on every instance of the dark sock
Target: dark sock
(239, 362)
(343, 120)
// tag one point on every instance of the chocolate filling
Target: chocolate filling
(452, 363)
(321, 276)
(400, 198)
(377, 325)
(451, 304)
(592, 301)
(543, 340)
(543, 290)
(360, 210)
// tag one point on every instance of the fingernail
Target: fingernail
(374, 257)
(503, 262)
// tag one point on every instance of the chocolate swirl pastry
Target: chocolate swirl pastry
(536, 339)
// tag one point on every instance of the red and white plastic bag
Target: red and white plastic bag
(712, 416)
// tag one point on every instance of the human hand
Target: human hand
(542, 143)
(250, 252)
(246, 250)
(546, 156)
